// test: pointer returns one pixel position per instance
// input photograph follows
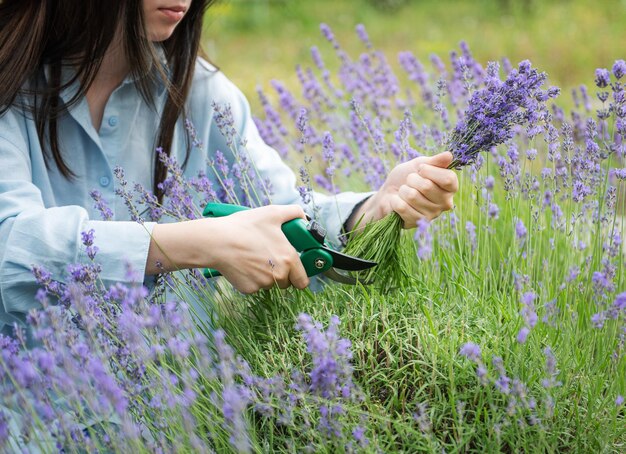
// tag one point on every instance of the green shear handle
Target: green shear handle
(300, 233)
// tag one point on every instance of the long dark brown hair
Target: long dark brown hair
(34, 33)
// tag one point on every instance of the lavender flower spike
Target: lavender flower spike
(470, 351)
(493, 111)
(603, 77)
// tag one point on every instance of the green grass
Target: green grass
(406, 345)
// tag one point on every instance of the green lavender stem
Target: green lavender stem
(380, 242)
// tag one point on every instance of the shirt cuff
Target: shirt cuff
(132, 242)
(335, 211)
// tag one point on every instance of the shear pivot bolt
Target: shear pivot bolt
(319, 263)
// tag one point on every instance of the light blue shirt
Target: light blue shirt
(42, 214)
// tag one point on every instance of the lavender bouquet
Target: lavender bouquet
(492, 115)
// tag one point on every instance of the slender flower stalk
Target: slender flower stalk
(489, 120)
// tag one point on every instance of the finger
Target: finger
(268, 286)
(441, 160)
(409, 214)
(419, 201)
(430, 191)
(283, 284)
(280, 271)
(444, 178)
(279, 278)
(297, 274)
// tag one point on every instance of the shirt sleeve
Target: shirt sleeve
(33, 234)
(331, 210)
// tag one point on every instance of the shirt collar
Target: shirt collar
(67, 73)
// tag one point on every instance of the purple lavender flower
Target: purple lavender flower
(619, 400)
(328, 34)
(470, 228)
(522, 335)
(193, 134)
(4, 429)
(482, 374)
(359, 436)
(331, 375)
(317, 59)
(493, 211)
(503, 383)
(328, 153)
(619, 304)
(520, 231)
(619, 69)
(470, 351)
(87, 239)
(603, 77)
(602, 281)
(422, 418)
(598, 319)
(101, 205)
(225, 122)
(528, 312)
(493, 112)
(551, 370)
(362, 33)
(424, 239)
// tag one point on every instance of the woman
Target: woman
(88, 86)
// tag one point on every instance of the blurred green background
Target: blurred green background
(254, 41)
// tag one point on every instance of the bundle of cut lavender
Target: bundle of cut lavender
(491, 115)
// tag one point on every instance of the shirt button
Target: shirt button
(104, 181)
(113, 121)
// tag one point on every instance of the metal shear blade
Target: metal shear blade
(347, 263)
(336, 276)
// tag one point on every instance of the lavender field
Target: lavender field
(502, 327)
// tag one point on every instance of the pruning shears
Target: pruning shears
(308, 238)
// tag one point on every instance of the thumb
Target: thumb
(442, 160)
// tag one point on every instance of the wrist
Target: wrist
(364, 212)
(182, 245)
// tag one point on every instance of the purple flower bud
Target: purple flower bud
(359, 435)
(328, 34)
(101, 205)
(603, 77)
(620, 174)
(302, 120)
(522, 335)
(520, 230)
(362, 33)
(424, 239)
(598, 319)
(470, 228)
(317, 58)
(470, 351)
(4, 428)
(620, 302)
(493, 211)
(619, 69)
(503, 384)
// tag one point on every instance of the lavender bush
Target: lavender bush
(504, 332)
